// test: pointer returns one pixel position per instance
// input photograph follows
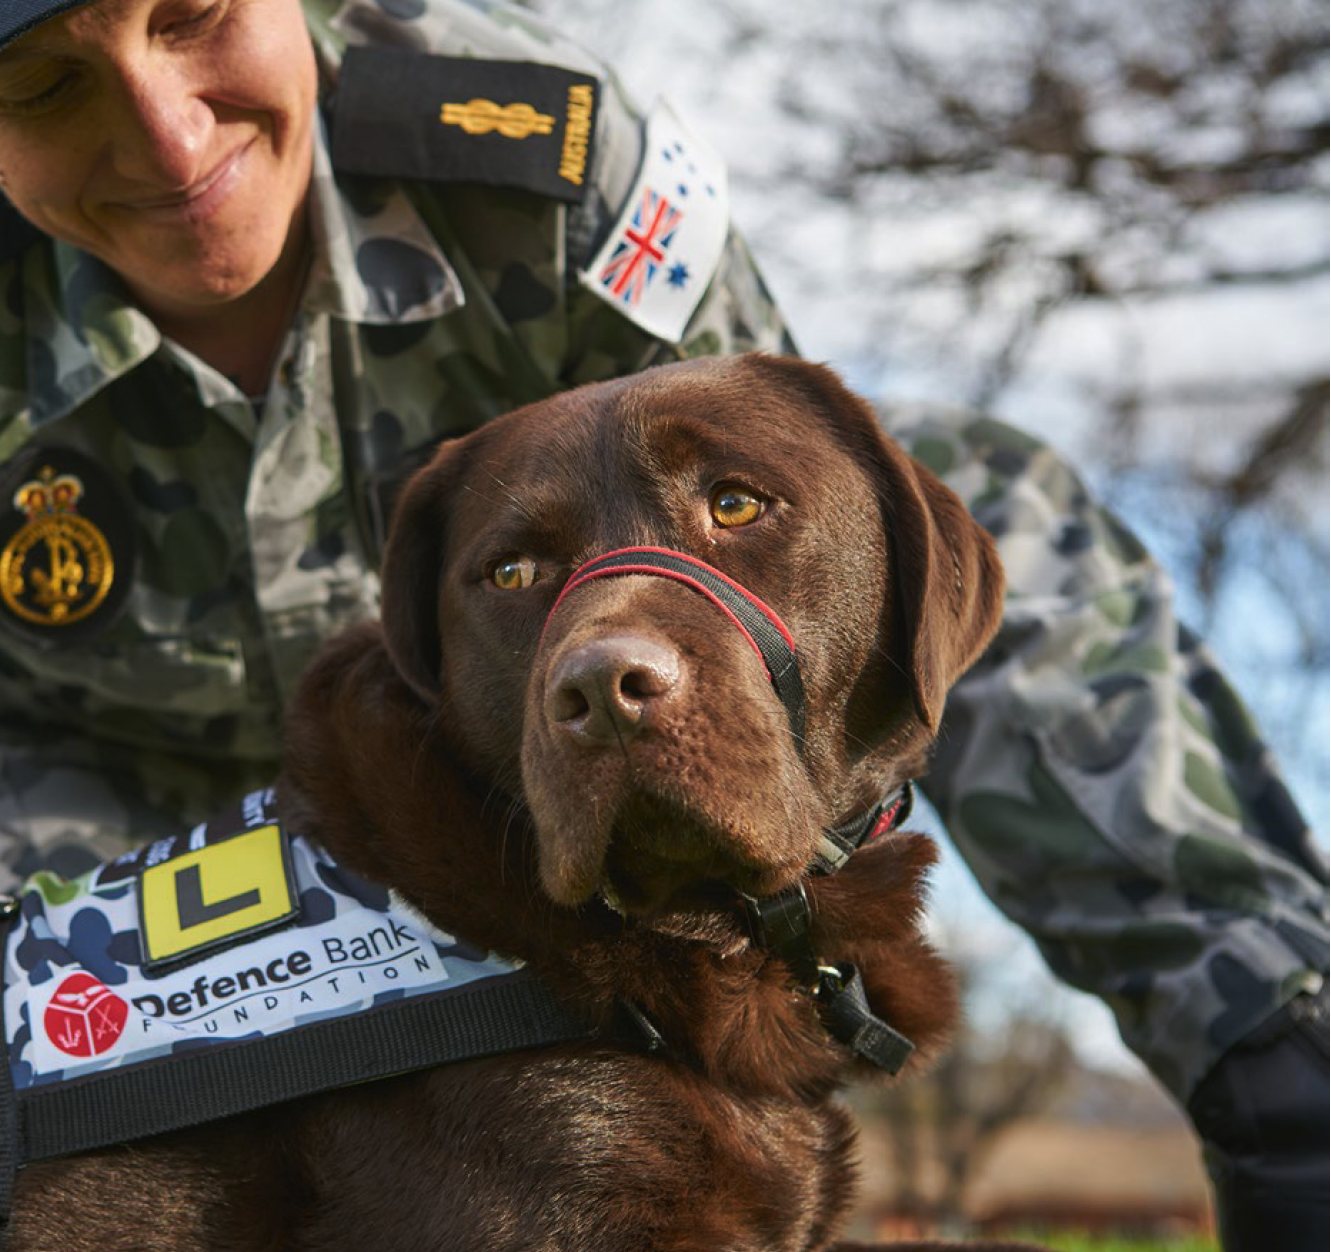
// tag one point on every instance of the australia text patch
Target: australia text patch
(402, 114)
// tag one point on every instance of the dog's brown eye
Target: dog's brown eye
(734, 506)
(513, 573)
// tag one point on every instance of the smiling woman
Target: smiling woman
(171, 139)
(248, 281)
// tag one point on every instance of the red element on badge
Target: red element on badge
(84, 1018)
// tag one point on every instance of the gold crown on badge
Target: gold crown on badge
(57, 568)
(49, 493)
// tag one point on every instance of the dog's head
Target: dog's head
(635, 721)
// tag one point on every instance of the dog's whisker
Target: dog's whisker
(513, 498)
(429, 738)
(619, 739)
(510, 818)
(881, 652)
(467, 487)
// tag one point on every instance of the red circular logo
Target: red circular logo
(84, 1018)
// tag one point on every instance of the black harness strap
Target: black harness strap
(841, 842)
(849, 1020)
(782, 923)
(481, 1018)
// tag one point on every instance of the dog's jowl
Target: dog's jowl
(658, 661)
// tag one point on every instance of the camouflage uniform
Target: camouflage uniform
(1097, 772)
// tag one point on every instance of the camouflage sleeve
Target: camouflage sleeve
(1105, 783)
(63, 805)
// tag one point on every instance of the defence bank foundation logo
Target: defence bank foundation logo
(57, 568)
(83, 1017)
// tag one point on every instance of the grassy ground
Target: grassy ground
(1073, 1241)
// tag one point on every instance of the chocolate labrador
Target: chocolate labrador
(658, 657)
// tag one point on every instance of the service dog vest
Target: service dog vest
(227, 969)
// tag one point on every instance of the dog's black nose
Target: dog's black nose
(605, 691)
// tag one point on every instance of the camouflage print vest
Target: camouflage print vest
(227, 969)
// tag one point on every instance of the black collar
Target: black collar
(781, 924)
(840, 842)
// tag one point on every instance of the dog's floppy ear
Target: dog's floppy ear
(947, 582)
(413, 564)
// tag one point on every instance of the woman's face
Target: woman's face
(169, 138)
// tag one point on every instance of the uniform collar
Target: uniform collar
(375, 262)
(82, 332)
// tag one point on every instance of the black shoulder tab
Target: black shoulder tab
(403, 114)
(17, 234)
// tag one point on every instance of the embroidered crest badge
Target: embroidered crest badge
(66, 546)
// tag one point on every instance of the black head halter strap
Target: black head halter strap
(781, 923)
(765, 631)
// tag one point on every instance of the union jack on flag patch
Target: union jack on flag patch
(641, 250)
(657, 261)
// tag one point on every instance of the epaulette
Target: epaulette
(414, 115)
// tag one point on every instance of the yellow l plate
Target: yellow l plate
(215, 896)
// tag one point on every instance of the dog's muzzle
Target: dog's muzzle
(780, 923)
(765, 632)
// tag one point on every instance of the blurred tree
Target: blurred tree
(941, 1126)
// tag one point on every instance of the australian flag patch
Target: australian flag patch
(656, 263)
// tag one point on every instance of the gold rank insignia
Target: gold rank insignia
(60, 572)
(513, 121)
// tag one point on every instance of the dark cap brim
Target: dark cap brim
(17, 17)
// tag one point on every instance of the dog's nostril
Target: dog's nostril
(603, 690)
(567, 702)
(644, 683)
